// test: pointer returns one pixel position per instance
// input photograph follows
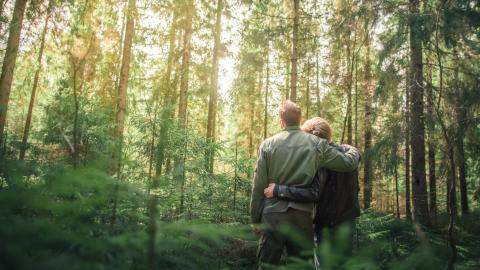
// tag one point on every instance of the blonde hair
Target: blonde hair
(318, 127)
(290, 112)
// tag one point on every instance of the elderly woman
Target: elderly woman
(335, 194)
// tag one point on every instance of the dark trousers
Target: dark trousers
(292, 229)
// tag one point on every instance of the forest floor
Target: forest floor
(382, 241)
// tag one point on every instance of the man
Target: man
(291, 157)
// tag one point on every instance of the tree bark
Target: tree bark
(293, 79)
(122, 97)
(317, 85)
(408, 211)
(460, 115)
(432, 179)
(185, 68)
(212, 104)
(397, 204)
(287, 80)
(267, 86)
(368, 170)
(168, 100)
(417, 132)
(36, 78)
(10, 60)
(179, 165)
(307, 92)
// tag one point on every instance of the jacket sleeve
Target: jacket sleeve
(303, 194)
(335, 160)
(260, 182)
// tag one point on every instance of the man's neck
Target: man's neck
(291, 128)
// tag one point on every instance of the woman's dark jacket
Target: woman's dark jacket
(335, 195)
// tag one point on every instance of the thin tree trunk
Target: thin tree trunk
(317, 85)
(432, 179)
(76, 70)
(185, 68)
(408, 211)
(267, 86)
(397, 204)
(182, 185)
(417, 132)
(287, 80)
(356, 104)
(368, 170)
(9, 61)
(351, 65)
(307, 93)
(235, 179)
(293, 79)
(460, 115)
(179, 165)
(35, 85)
(212, 104)
(168, 100)
(122, 99)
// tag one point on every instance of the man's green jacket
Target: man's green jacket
(292, 157)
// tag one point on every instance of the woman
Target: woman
(335, 194)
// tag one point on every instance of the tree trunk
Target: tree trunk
(9, 61)
(408, 211)
(267, 86)
(317, 86)
(432, 179)
(287, 80)
(356, 104)
(293, 79)
(397, 204)
(307, 93)
(168, 100)
(185, 69)
(179, 165)
(460, 115)
(212, 104)
(417, 132)
(122, 97)
(368, 170)
(35, 85)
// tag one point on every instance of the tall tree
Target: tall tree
(122, 93)
(36, 78)
(212, 103)
(293, 75)
(267, 88)
(168, 97)
(417, 132)
(368, 170)
(10, 60)
(179, 165)
(432, 178)
(408, 211)
(460, 117)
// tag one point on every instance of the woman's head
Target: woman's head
(318, 127)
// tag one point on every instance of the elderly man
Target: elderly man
(291, 157)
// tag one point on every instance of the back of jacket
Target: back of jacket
(339, 200)
(292, 159)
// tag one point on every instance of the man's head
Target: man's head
(290, 114)
(318, 127)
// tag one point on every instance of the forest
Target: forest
(129, 129)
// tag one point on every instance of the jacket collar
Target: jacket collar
(291, 128)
